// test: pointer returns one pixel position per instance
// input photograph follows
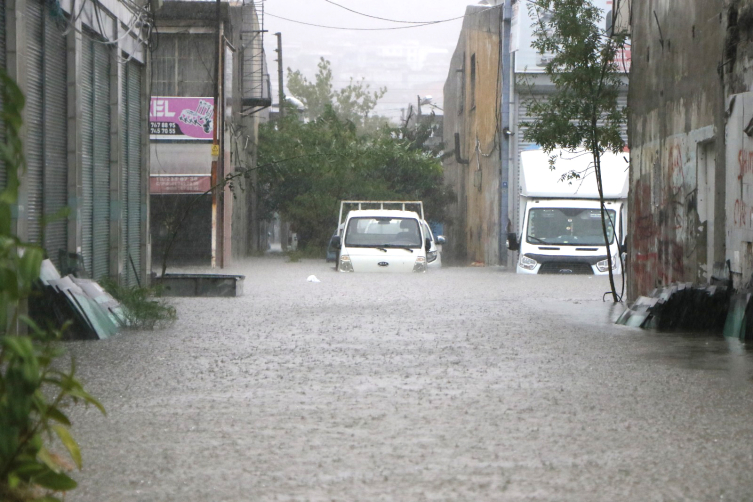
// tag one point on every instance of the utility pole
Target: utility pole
(505, 134)
(281, 89)
(215, 137)
(284, 230)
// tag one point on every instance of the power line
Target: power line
(361, 29)
(390, 20)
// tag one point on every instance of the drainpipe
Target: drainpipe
(505, 131)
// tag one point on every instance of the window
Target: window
(473, 81)
(461, 87)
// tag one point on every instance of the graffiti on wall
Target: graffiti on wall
(664, 223)
(742, 216)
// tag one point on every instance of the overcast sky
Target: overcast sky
(307, 43)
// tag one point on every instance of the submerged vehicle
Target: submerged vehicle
(560, 230)
(375, 239)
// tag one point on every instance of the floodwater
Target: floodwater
(460, 384)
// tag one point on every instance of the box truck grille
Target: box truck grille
(564, 267)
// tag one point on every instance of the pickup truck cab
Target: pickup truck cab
(383, 240)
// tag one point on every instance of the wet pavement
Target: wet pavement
(467, 384)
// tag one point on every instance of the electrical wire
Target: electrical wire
(360, 29)
(390, 20)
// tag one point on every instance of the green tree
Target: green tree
(583, 111)
(354, 102)
(309, 167)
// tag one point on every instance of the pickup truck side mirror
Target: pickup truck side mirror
(336, 243)
(440, 239)
(427, 244)
(512, 242)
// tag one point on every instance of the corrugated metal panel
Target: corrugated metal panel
(3, 176)
(101, 158)
(132, 127)
(34, 179)
(87, 148)
(55, 144)
(127, 274)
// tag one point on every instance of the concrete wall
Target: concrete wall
(471, 108)
(677, 214)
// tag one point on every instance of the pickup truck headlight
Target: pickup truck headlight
(420, 265)
(345, 264)
(603, 265)
(431, 256)
(527, 262)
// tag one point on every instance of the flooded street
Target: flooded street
(460, 384)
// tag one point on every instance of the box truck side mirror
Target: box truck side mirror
(512, 241)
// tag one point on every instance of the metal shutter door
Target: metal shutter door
(3, 176)
(135, 202)
(131, 184)
(97, 113)
(34, 121)
(87, 142)
(55, 127)
(101, 155)
(127, 273)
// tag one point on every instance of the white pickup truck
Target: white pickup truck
(383, 236)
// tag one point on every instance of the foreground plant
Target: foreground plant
(141, 307)
(33, 391)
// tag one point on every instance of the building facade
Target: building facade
(197, 142)
(472, 132)
(691, 109)
(494, 74)
(82, 67)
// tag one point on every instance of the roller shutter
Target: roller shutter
(131, 174)
(87, 142)
(34, 178)
(95, 106)
(46, 97)
(55, 98)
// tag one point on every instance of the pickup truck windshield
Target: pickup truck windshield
(572, 226)
(383, 232)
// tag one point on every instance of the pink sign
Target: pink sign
(179, 184)
(173, 118)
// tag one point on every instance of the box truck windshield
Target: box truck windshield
(569, 226)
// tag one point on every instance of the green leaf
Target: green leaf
(57, 481)
(31, 324)
(70, 444)
(29, 264)
(58, 416)
(82, 394)
(29, 469)
(44, 456)
(5, 219)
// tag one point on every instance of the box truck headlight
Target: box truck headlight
(603, 265)
(345, 264)
(420, 265)
(527, 262)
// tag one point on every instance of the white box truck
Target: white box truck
(560, 230)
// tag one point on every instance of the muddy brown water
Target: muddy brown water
(460, 384)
